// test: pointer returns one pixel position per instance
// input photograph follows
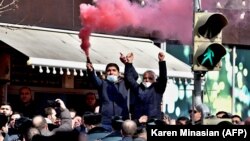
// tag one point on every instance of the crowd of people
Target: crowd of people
(109, 119)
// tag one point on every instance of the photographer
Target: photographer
(20, 128)
(51, 118)
(66, 123)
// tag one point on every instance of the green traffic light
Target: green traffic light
(211, 56)
(208, 56)
(208, 48)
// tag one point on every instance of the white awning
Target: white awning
(60, 48)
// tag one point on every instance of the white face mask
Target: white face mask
(112, 78)
(147, 84)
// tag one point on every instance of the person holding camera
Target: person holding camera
(50, 115)
(66, 122)
(4, 127)
(6, 109)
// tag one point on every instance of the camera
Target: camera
(3, 120)
(23, 124)
(52, 103)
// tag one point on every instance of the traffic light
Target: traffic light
(208, 49)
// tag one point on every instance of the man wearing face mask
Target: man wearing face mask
(113, 91)
(149, 92)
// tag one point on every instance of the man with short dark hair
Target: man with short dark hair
(66, 123)
(222, 114)
(236, 119)
(91, 103)
(50, 115)
(92, 122)
(113, 91)
(6, 109)
(26, 106)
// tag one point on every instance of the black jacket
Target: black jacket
(29, 110)
(148, 100)
(96, 133)
(113, 136)
(112, 97)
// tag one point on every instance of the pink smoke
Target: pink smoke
(170, 19)
(84, 35)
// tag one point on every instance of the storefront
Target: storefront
(51, 61)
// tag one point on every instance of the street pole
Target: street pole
(197, 5)
(197, 92)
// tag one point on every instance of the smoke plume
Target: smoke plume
(170, 19)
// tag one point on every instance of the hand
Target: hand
(5, 128)
(62, 105)
(88, 60)
(89, 66)
(172, 122)
(77, 121)
(123, 58)
(130, 57)
(143, 119)
(97, 109)
(161, 56)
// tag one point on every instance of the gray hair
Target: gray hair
(151, 73)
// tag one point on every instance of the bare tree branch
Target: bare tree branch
(1, 2)
(8, 5)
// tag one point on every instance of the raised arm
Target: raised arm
(162, 79)
(66, 121)
(130, 73)
(127, 59)
(92, 74)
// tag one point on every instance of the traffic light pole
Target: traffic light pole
(207, 50)
(197, 5)
(197, 92)
(197, 98)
